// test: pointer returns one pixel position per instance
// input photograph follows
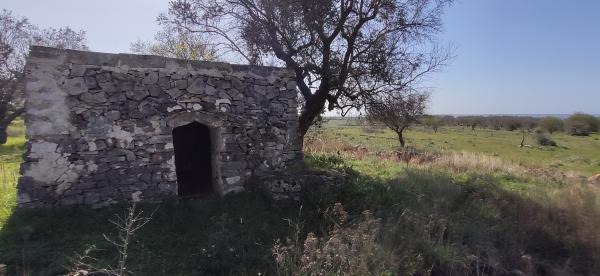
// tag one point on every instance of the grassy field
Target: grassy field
(10, 160)
(466, 210)
(578, 154)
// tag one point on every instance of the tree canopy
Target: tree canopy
(344, 52)
(551, 124)
(581, 124)
(398, 112)
(16, 35)
(175, 42)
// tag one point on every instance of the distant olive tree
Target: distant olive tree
(552, 124)
(581, 124)
(397, 112)
(513, 123)
(432, 122)
(470, 121)
(447, 120)
(16, 35)
(529, 123)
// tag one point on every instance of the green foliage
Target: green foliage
(551, 124)
(432, 122)
(581, 124)
(10, 159)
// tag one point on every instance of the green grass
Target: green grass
(442, 215)
(578, 154)
(434, 217)
(10, 160)
(232, 235)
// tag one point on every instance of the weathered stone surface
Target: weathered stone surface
(137, 94)
(151, 78)
(197, 86)
(293, 184)
(101, 133)
(95, 98)
(154, 90)
(174, 92)
(75, 86)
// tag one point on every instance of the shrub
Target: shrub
(347, 249)
(512, 124)
(552, 124)
(432, 122)
(581, 124)
(542, 140)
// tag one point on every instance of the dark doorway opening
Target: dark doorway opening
(193, 159)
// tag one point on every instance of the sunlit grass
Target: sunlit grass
(8, 180)
(579, 154)
(10, 160)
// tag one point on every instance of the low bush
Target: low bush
(542, 140)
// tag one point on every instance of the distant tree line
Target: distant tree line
(578, 124)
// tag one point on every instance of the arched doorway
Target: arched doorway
(193, 159)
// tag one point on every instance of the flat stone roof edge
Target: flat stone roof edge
(142, 61)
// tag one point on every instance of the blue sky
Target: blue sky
(513, 56)
(521, 56)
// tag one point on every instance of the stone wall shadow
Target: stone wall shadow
(212, 236)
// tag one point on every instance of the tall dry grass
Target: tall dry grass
(456, 162)
(329, 145)
(317, 144)
(563, 205)
(347, 248)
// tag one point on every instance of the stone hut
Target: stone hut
(106, 128)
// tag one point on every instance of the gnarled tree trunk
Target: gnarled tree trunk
(400, 136)
(313, 107)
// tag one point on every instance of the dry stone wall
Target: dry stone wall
(99, 126)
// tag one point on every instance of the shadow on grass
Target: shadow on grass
(231, 236)
(433, 222)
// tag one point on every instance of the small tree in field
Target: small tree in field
(398, 112)
(432, 122)
(552, 124)
(471, 121)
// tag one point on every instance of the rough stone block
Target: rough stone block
(75, 86)
(95, 98)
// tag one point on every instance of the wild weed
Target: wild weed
(346, 249)
(127, 226)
